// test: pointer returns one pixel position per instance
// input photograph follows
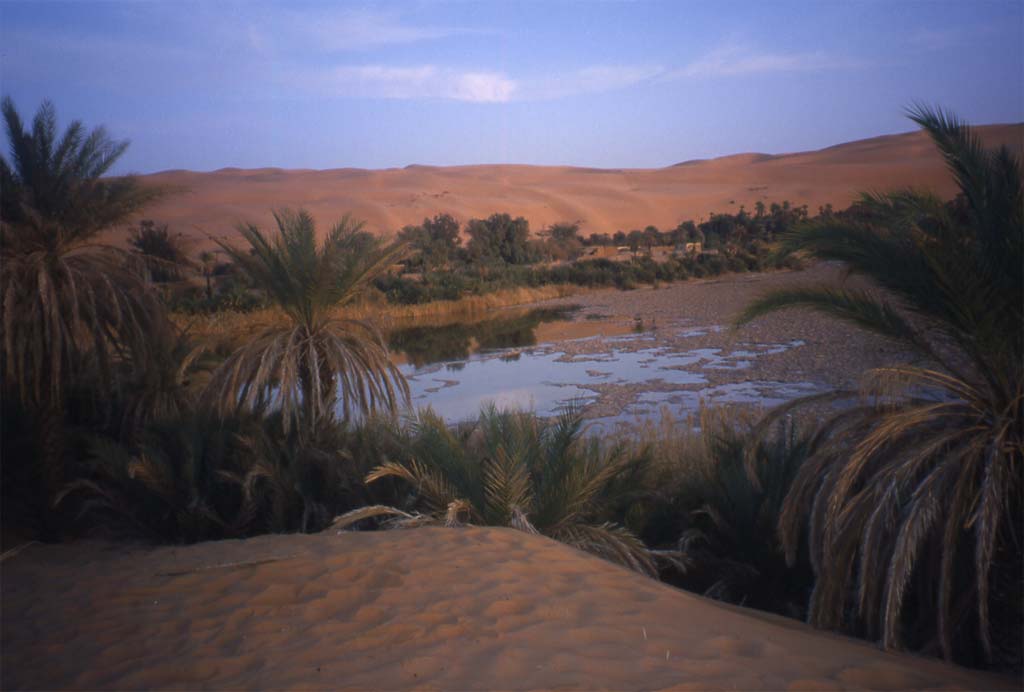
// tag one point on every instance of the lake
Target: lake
(620, 370)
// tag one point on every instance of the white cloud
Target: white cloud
(483, 87)
(416, 82)
(486, 86)
(473, 85)
(362, 29)
(731, 60)
(588, 80)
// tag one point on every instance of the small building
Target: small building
(607, 252)
(598, 252)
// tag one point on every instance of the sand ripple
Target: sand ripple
(427, 608)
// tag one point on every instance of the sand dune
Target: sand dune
(429, 608)
(602, 200)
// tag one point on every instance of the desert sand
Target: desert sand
(428, 608)
(601, 200)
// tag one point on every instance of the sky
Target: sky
(608, 84)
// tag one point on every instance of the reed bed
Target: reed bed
(237, 326)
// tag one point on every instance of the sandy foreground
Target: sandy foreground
(428, 608)
(601, 200)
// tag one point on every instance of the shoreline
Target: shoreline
(436, 313)
(232, 325)
(679, 335)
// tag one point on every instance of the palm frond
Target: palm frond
(613, 543)
(355, 516)
(321, 361)
(510, 468)
(928, 469)
(859, 307)
(428, 483)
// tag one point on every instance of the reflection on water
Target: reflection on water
(537, 382)
(546, 378)
(423, 345)
(544, 358)
(539, 379)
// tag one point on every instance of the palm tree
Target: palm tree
(719, 502)
(165, 255)
(166, 388)
(514, 469)
(175, 483)
(928, 479)
(72, 306)
(208, 261)
(303, 366)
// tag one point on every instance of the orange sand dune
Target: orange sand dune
(432, 608)
(602, 200)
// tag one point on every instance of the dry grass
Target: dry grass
(235, 327)
(678, 443)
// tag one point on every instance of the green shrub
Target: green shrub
(514, 469)
(718, 504)
(199, 477)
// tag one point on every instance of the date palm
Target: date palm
(513, 469)
(926, 482)
(305, 366)
(726, 496)
(72, 306)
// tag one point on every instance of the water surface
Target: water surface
(458, 369)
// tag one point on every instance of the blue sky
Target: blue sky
(609, 84)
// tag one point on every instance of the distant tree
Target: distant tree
(500, 239)
(784, 217)
(635, 240)
(564, 232)
(165, 255)
(563, 241)
(619, 238)
(723, 227)
(758, 209)
(652, 237)
(434, 242)
(687, 232)
(208, 264)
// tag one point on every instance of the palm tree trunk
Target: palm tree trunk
(51, 465)
(307, 424)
